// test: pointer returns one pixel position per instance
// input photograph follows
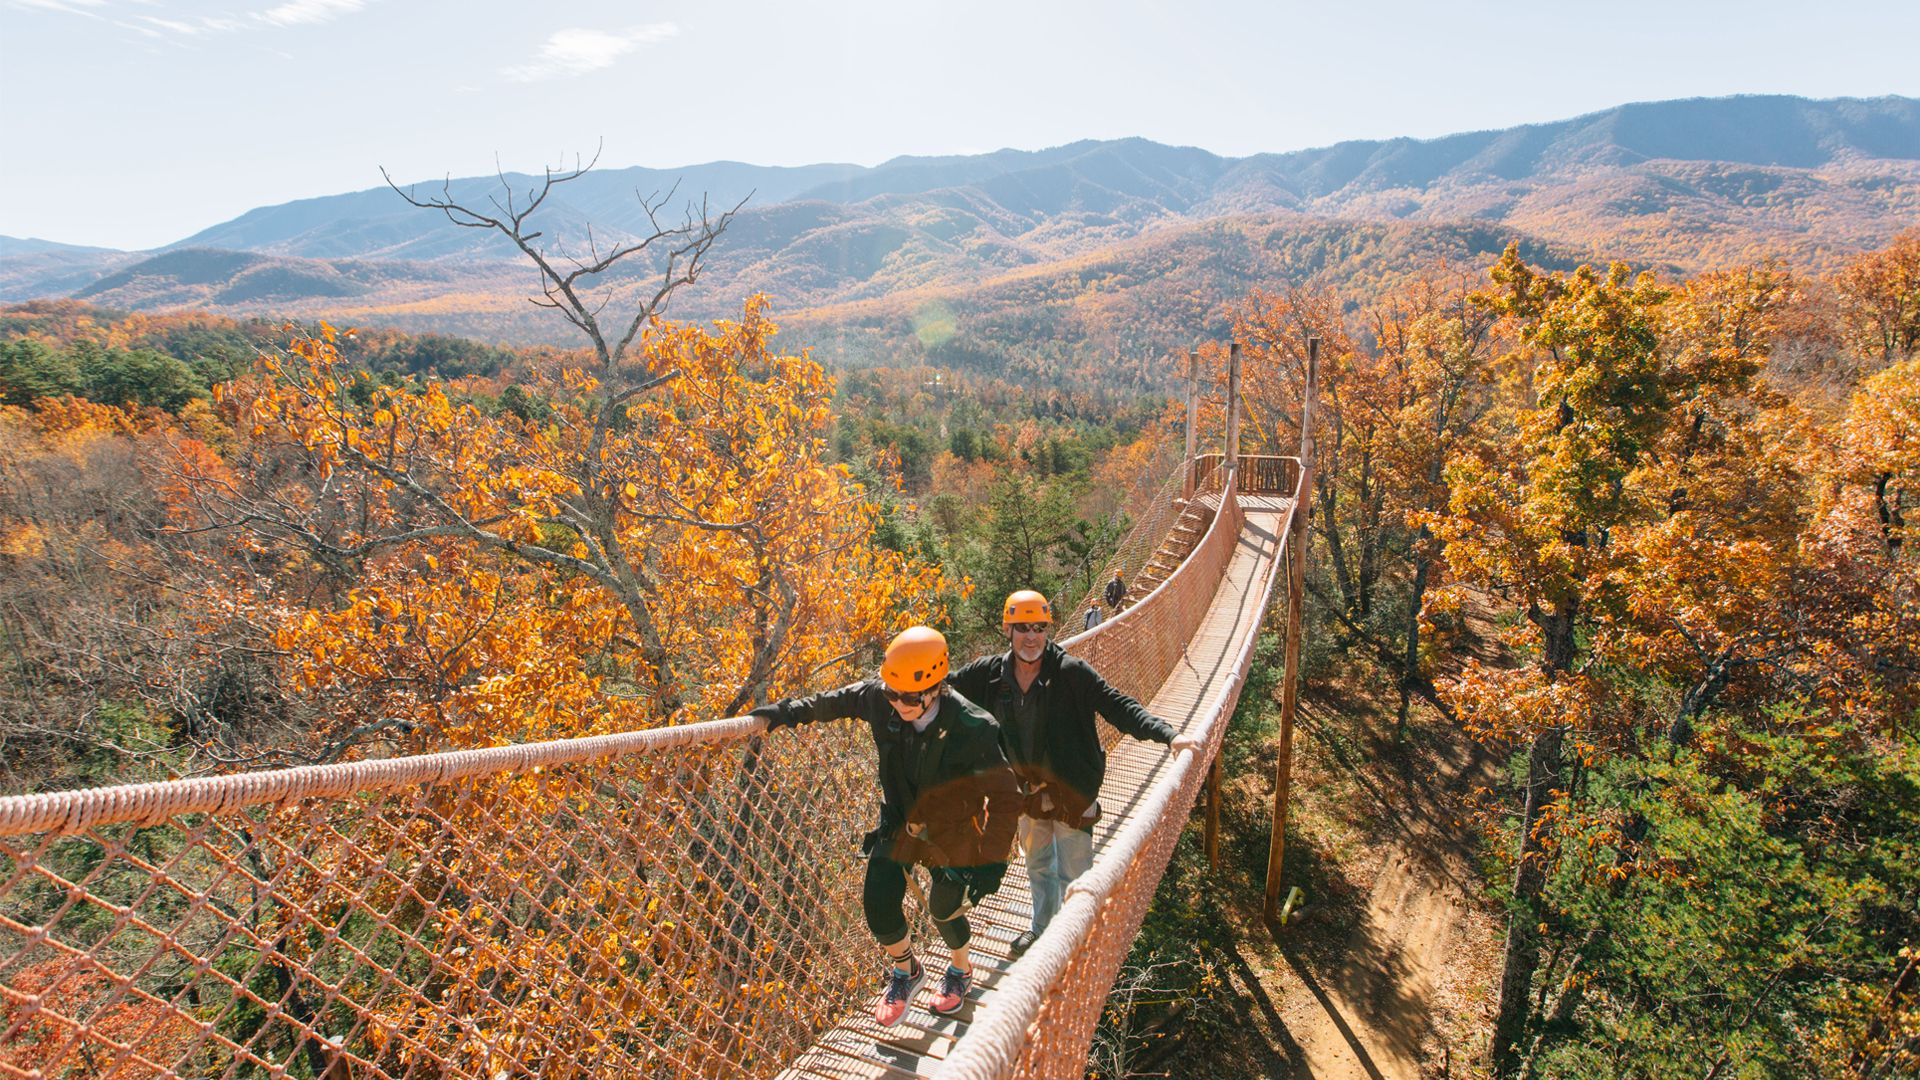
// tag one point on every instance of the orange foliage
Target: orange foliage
(664, 552)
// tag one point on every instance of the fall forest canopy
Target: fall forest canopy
(1687, 504)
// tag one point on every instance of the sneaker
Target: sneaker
(901, 986)
(953, 992)
(1022, 943)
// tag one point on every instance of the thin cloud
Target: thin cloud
(577, 51)
(71, 7)
(308, 12)
(200, 25)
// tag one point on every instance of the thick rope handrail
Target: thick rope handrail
(148, 804)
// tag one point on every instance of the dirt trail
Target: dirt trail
(1409, 982)
(1375, 1020)
(1391, 970)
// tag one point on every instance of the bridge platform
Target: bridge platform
(858, 1047)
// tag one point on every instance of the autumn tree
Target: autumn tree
(1435, 356)
(107, 674)
(650, 532)
(664, 535)
(1349, 496)
(1707, 586)
(1880, 300)
(1867, 568)
(1531, 517)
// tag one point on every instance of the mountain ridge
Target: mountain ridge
(1801, 133)
(1810, 182)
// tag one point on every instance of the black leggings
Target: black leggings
(886, 891)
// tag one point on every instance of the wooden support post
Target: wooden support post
(1298, 536)
(1231, 459)
(1213, 815)
(1193, 420)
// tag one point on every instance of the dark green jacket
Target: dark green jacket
(947, 797)
(1069, 764)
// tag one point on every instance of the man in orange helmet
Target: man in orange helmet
(1045, 701)
(947, 801)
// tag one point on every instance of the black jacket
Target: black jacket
(947, 797)
(1069, 765)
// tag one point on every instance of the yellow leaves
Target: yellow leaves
(25, 540)
(475, 644)
(1512, 705)
(1882, 429)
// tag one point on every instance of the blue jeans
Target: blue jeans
(1056, 854)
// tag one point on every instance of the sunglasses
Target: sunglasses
(1028, 627)
(912, 699)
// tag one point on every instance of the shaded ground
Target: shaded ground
(1390, 971)
(1406, 991)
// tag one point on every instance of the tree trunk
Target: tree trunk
(1327, 495)
(1557, 642)
(1695, 701)
(1410, 665)
(1892, 521)
(1370, 498)
(1523, 934)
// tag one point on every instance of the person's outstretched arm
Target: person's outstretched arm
(974, 679)
(1122, 711)
(829, 705)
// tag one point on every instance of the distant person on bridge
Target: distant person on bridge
(1045, 701)
(1093, 615)
(947, 801)
(1116, 591)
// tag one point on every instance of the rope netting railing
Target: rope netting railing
(1042, 1016)
(1153, 520)
(586, 907)
(681, 901)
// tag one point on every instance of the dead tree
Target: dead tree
(568, 282)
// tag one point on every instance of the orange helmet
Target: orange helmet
(916, 659)
(1027, 606)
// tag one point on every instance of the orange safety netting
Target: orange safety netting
(682, 901)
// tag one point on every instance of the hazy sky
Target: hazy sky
(134, 123)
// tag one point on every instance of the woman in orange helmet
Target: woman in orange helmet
(947, 801)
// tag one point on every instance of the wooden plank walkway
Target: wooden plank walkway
(914, 1047)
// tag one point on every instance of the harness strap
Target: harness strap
(913, 882)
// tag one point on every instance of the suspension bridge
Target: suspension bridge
(682, 901)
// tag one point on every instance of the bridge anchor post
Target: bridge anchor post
(1193, 421)
(1298, 535)
(1213, 815)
